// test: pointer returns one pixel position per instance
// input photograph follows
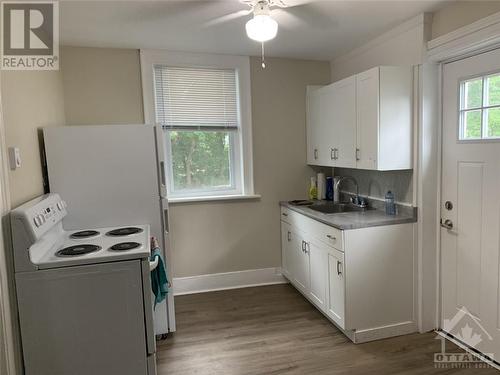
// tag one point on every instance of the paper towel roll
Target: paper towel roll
(336, 193)
(321, 186)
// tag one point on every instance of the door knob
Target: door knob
(447, 224)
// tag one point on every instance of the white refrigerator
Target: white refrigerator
(113, 175)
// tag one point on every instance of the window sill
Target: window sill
(214, 198)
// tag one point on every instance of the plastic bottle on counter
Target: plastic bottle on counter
(321, 185)
(329, 188)
(390, 205)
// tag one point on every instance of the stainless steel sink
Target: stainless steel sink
(336, 208)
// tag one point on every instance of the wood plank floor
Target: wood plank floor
(274, 330)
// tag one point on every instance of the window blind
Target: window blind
(194, 98)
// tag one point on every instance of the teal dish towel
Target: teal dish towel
(159, 280)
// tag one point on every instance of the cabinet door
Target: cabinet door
(367, 108)
(341, 115)
(313, 125)
(318, 271)
(300, 262)
(286, 247)
(336, 287)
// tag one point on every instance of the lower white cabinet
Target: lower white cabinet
(361, 279)
(318, 258)
(295, 262)
(336, 287)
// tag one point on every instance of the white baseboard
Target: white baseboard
(379, 333)
(227, 280)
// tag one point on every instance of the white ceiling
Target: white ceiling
(313, 29)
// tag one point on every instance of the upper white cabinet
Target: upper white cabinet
(364, 121)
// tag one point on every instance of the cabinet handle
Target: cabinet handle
(315, 154)
(303, 245)
(306, 245)
(336, 154)
(284, 214)
(332, 153)
(339, 272)
(357, 155)
(289, 236)
(333, 238)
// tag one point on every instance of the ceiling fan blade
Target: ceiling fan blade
(287, 20)
(305, 15)
(228, 17)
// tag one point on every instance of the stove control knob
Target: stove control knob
(38, 220)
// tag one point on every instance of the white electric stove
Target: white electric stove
(84, 296)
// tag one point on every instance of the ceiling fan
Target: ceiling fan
(262, 27)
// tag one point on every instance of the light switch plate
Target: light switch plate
(14, 158)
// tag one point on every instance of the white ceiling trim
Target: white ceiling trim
(479, 36)
(421, 19)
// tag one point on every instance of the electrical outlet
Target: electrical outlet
(14, 158)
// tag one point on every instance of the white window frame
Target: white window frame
(483, 108)
(242, 156)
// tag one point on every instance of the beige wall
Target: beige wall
(232, 236)
(102, 86)
(403, 45)
(217, 236)
(461, 13)
(30, 100)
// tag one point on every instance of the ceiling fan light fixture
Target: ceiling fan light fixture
(261, 28)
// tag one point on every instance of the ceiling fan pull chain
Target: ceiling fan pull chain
(263, 60)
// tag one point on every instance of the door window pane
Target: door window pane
(472, 124)
(493, 121)
(473, 94)
(479, 113)
(493, 90)
(201, 160)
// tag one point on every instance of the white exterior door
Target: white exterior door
(470, 202)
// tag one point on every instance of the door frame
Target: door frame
(9, 355)
(471, 40)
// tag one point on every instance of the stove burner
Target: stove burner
(124, 246)
(123, 231)
(84, 234)
(77, 250)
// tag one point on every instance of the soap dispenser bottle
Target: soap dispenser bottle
(313, 190)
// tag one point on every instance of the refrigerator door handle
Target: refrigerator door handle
(160, 154)
(162, 174)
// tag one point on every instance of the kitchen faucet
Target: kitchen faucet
(356, 200)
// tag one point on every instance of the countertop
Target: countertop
(353, 220)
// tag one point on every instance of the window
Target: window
(480, 108)
(202, 102)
